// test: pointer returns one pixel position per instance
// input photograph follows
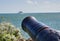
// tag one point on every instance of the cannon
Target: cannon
(38, 31)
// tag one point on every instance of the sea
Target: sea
(50, 19)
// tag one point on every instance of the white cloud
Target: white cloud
(32, 2)
(36, 2)
(47, 2)
(45, 6)
(29, 1)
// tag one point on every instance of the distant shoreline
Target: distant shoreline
(30, 13)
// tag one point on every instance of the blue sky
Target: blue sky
(29, 5)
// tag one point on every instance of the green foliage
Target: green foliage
(9, 32)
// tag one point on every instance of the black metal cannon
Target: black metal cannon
(39, 31)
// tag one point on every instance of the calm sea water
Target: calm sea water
(50, 19)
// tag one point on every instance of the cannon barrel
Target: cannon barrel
(39, 31)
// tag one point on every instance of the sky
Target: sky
(29, 6)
